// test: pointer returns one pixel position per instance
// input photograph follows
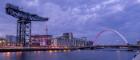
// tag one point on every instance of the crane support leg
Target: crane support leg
(23, 32)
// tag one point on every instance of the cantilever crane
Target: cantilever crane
(23, 23)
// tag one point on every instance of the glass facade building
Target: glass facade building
(68, 41)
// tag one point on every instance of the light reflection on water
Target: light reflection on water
(118, 55)
(68, 55)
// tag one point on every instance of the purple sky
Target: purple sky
(82, 17)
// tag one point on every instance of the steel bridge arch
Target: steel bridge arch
(111, 30)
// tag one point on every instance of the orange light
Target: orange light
(0, 42)
(65, 47)
(50, 51)
(64, 50)
(55, 51)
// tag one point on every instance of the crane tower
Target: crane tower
(23, 23)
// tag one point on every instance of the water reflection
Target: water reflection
(7, 55)
(118, 54)
(68, 55)
(55, 51)
(20, 56)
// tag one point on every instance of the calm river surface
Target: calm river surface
(69, 55)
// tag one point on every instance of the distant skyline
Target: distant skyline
(82, 17)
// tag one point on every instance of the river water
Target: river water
(69, 55)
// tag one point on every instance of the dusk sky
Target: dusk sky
(82, 17)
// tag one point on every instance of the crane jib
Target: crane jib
(23, 15)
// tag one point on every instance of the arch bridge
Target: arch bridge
(111, 30)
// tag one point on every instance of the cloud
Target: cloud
(138, 1)
(81, 17)
(85, 17)
(7, 27)
(30, 3)
(108, 7)
(109, 2)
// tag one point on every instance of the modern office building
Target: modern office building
(67, 40)
(138, 42)
(11, 38)
(41, 40)
(3, 42)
